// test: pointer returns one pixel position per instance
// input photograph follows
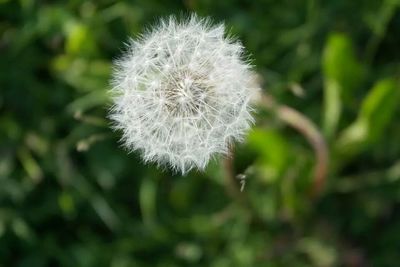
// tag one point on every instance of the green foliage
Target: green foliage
(375, 115)
(343, 73)
(70, 196)
(340, 63)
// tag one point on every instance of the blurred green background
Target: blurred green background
(71, 196)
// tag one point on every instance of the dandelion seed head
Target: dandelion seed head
(181, 93)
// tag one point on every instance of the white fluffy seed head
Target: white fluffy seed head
(181, 93)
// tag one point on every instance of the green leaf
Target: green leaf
(80, 40)
(271, 148)
(379, 106)
(340, 63)
(342, 73)
(30, 165)
(375, 115)
(333, 106)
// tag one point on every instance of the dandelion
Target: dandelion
(181, 93)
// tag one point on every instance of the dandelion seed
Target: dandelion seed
(242, 180)
(181, 93)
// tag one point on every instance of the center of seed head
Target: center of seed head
(185, 94)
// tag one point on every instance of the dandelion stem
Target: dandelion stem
(310, 131)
